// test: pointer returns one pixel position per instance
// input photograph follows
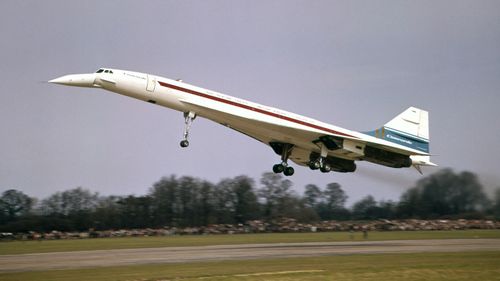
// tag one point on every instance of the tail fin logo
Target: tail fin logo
(389, 136)
(406, 139)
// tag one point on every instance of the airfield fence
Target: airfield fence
(256, 226)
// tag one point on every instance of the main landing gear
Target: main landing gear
(320, 164)
(319, 161)
(285, 149)
(283, 168)
(188, 120)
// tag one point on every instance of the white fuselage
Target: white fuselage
(226, 110)
(238, 114)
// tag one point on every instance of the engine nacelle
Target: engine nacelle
(387, 158)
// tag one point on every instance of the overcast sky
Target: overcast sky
(355, 64)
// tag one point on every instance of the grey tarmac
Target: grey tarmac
(106, 258)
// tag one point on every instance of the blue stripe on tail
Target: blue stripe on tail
(401, 138)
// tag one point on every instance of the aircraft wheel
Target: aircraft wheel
(314, 165)
(184, 143)
(288, 171)
(278, 168)
(326, 168)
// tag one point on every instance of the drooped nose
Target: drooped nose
(79, 80)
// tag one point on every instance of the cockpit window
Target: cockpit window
(101, 70)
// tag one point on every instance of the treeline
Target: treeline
(188, 201)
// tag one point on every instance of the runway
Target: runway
(105, 258)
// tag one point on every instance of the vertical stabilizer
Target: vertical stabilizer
(410, 128)
(413, 122)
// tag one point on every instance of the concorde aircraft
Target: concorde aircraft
(402, 142)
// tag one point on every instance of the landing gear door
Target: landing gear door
(151, 84)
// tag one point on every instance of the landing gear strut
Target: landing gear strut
(285, 149)
(188, 120)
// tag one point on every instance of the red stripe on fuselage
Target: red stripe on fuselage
(193, 92)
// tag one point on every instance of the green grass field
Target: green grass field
(24, 247)
(388, 267)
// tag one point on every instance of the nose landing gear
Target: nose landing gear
(188, 120)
